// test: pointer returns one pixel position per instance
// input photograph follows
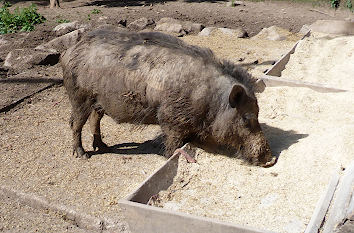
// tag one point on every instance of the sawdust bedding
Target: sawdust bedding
(311, 133)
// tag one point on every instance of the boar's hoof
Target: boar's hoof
(188, 157)
(271, 162)
(80, 153)
(98, 144)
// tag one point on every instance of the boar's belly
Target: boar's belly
(123, 111)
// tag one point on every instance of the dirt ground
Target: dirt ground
(36, 157)
(21, 218)
(35, 142)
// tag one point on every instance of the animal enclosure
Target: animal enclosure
(310, 138)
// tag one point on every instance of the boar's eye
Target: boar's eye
(248, 118)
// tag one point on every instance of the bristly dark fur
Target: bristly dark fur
(154, 78)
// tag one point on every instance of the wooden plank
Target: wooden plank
(279, 66)
(348, 227)
(272, 81)
(161, 179)
(350, 211)
(150, 219)
(338, 211)
(338, 27)
(322, 206)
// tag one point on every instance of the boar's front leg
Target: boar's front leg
(173, 143)
(95, 120)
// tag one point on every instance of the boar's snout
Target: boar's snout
(257, 151)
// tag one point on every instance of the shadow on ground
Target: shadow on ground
(278, 140)
(255, 63)
(31, 80)
(154, 146)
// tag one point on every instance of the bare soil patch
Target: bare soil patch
(36, 157)
(16, 217)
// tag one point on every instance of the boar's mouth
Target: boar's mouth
(257, 152)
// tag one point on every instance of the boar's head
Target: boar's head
(236, 126)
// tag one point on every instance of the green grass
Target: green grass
(349, 5)
(93, 12)
(96, 11)
(63, 21)
(20, 20)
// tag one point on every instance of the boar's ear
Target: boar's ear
(236, 95)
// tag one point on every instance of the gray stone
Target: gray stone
(25, 58)
(207, 31)
(191, 27)
(140, 24)
(169, 27)
(272, 33)
(239, 32)
(63, 42)
(16, 58)
(304, 29)
(65, 28)
(235, 3)
(226, 31)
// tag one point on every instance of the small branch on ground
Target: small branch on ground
(321, 12)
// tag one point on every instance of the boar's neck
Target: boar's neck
(224, 116)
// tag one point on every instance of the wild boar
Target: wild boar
(154, 78)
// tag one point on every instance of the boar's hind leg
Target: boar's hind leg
(95, 119)
(79, 115)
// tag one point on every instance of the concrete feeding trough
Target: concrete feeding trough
(143, 217)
